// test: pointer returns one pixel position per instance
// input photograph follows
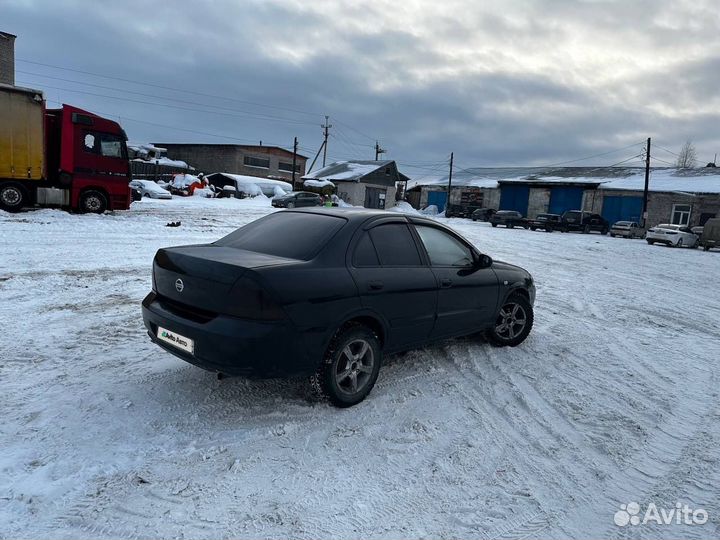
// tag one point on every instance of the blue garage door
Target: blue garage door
(565, 198)
(438, 198)
(622, 209)
(514, 198)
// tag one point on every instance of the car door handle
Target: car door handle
(375, 285)
(445, 283)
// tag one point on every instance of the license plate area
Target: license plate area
(176, 340)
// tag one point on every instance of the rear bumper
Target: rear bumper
(666, 241)
(231, 345)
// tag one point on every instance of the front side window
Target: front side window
(104, 144)
(443, 248)
(395, 245)
(681, 214)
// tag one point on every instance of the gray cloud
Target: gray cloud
(522, 82)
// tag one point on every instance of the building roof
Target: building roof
(348, 171)
(240, 146)
(7, 35)
(706, 180)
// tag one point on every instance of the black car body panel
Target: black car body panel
(297, 199)
(261, 315)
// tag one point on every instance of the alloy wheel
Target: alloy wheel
(354, 367)
(511, 321)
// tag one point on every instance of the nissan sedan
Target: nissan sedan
(327, 293)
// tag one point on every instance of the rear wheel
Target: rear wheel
(586, 229)
(350, 367)
(651, 242)
(290, 205)
(510, 225)
(533, 229)
(604, 231)
(679, 243)
(613, 236)
(549, 228)
(12, 197)
(93, 202)
(494, 224)
(513, 322)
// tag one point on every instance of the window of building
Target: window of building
(256, 162)
(288, 167)
(681, 214)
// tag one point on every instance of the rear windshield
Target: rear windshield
(572, 214)
(294, 235)
(622, 223)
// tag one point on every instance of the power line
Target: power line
(662, 160)
(155, 96)
(131, 81)
(239, 115)
(668, 151)
(594, 156)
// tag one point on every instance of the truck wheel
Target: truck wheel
(586, 229)
(350, 367)
(93, 202)
(12, 197)
(513, 323)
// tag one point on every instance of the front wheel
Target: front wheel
(290, 205)
(513, 322)
(510, 225)
(12, 197)
(93, 202)
(651, 242)
(533, 229)
(586, 229)
(350, 367)
(494, 224)
(604, 231)
(679, 243)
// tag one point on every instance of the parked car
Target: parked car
(548, 222)
(135, 194)
(578, 220)
(148, 188)
(672, 235)
(711, 234)
(297, 199)
(483, 214)
(698, 229)
(509, 218)
(628, 229)
(326, 293)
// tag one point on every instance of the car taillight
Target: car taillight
(250, 301)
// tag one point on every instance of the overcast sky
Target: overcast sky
(497, 82)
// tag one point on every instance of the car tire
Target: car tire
(350, 367)
(679, 243)
(494, 224)
(533, 229)
(474, 219)
(93, 202)
(12, 197)
(548, 229)
(706, 248)
(508, 330)
(510, 226)
(290, 205)
(604, 232)
(651, 242)
(612, 235)
(586, 229)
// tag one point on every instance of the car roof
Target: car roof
(356, 214)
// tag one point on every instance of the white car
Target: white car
(672, 235)
(628, 229)
(148, 188)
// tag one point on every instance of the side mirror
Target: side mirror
(483, 261)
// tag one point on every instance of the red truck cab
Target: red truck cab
(91, 158)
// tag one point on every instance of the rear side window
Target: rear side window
(365, 254)
(286, 234)
(395, 245)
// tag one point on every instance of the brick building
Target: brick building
(248, 160)
(7, 58)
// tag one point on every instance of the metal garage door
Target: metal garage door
(565, 198)
(438, 198)
(514, 198)
(622, 208)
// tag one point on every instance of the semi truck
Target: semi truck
(65, 157)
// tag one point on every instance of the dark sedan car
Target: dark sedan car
(509, 218)
(297, 199)
(586, 222)
(326, 292)
(547, 222)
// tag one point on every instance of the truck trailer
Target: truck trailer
(64, 157)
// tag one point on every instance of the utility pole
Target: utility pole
(325, 127)
(647, 183)
(378, 150)
(447, 202)
(294, 161)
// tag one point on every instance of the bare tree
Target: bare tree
(687, 156)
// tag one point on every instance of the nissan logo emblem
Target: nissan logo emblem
(179, 285)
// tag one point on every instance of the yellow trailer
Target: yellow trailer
(22, 137)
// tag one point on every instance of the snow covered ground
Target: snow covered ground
(614, 398)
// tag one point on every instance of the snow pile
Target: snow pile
(181, 181)
(318, 183)
(149, 153)
(404, 207)
(204, 192)
(668, 180)
(431, 210)
(251, 184)
(346, 170)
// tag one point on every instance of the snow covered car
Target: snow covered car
(672, 235)
(326, 292)
(627, 229)
(148, 188)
